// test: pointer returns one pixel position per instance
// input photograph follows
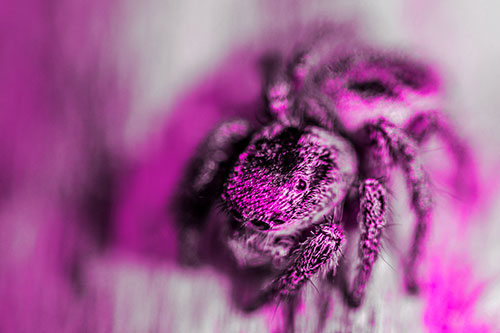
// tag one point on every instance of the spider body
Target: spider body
(338, 123)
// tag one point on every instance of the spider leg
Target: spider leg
(318, 254)
(372, 219)
(426, 124)
(277, 88)
(313, 105)
(404, 150)
(422, 203)
(203, 182)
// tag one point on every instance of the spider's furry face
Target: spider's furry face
(288, 178)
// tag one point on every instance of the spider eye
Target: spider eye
(301, 185)
(237, 215)
(261, 224)
(278, 221)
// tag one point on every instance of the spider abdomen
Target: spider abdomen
(372, 87)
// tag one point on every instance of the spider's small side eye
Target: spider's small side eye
(237, 215)
(278, 221)
(301, 185)
(261, 224)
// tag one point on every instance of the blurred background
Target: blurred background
(103, 102)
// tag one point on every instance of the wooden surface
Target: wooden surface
(163, 297)
(53, 275)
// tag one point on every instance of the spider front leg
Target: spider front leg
(372, 219)
(202, 183)
(404, 151)
(319, 254)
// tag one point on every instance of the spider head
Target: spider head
(288, 178)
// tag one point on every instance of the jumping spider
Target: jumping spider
(337, 123)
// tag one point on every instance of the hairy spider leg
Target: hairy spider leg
(318, 254)
(372, 219)
(282, 85)
(277, 86)
(404, 150)
(426, 124)
(203, 183)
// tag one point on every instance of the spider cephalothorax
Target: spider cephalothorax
(286, 180)
(289, 175)
(339, 122)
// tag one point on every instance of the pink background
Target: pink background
(102, 103)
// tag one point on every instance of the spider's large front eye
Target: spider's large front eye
(301, 185)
